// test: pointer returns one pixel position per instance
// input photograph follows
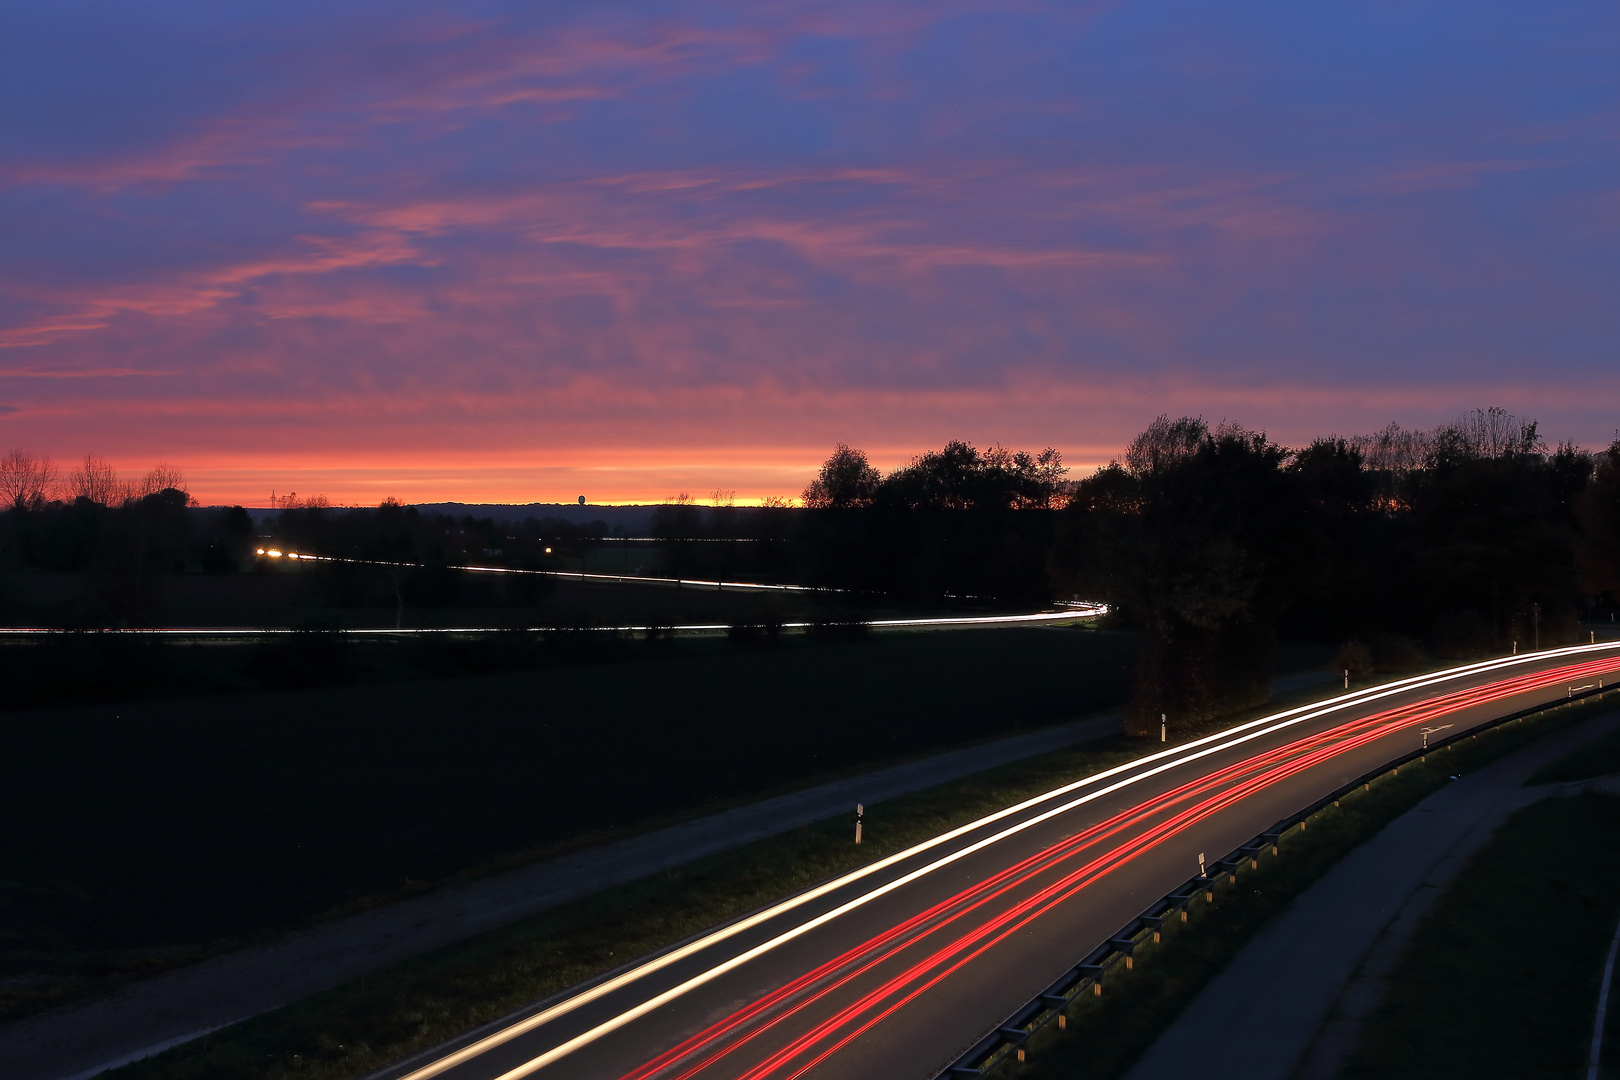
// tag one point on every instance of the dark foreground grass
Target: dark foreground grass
(141, 836)
(1502, 978)
(1600, 758)
(1106, 1035)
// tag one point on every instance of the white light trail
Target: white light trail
(1040, 618)
(1160, 762)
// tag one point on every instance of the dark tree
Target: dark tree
(1197, 540)
(1598, 509)
(145, 541)
(846, 480)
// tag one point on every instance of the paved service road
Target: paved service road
(892, 971)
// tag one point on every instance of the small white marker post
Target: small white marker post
(1347, 678)
(1164, 728)
(1201, 871)
(860, 811)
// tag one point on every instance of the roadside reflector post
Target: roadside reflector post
(1156, 934)
(1063, 1021)
(1096, 988)
(1020, 1053)
(1164, 728)
(1130, 962)
(1274, 849)
(1201, 871)
(1183, 914)
(1347, 678)
(860, 812)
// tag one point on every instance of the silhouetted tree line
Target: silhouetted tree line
(1208, 541)
(956, 522)
(128, 537)
(1454, 543)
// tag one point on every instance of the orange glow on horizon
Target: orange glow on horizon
(627, 477)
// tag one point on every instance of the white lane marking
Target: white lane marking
(1168, 759)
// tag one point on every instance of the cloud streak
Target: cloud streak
(586, 231)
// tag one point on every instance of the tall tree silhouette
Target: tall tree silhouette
(1198, 541)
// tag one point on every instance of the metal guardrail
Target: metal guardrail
(1007, 1040)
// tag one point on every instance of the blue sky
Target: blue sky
(505, 250)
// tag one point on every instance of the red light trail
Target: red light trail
(1213, 792)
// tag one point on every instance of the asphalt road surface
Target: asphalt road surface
(892, 971)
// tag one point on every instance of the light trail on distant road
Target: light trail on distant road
(1039, 618)
(569, 575)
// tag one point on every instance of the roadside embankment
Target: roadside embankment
(1274, 954)
(1500, 975)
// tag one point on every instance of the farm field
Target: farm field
(141, 834)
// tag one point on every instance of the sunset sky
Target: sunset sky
(524, 251)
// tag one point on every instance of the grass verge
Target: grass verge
(1105, 1035)
(1598, 758)
(1502, 978)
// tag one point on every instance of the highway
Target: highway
(893, 970)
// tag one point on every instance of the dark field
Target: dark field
(78, 667)
(1502, 978)
(290, 595)
(1599, 758)
(140, 835)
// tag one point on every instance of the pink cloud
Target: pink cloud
(594, 237)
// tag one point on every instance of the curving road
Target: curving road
(1074, 613)
(892, 971)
